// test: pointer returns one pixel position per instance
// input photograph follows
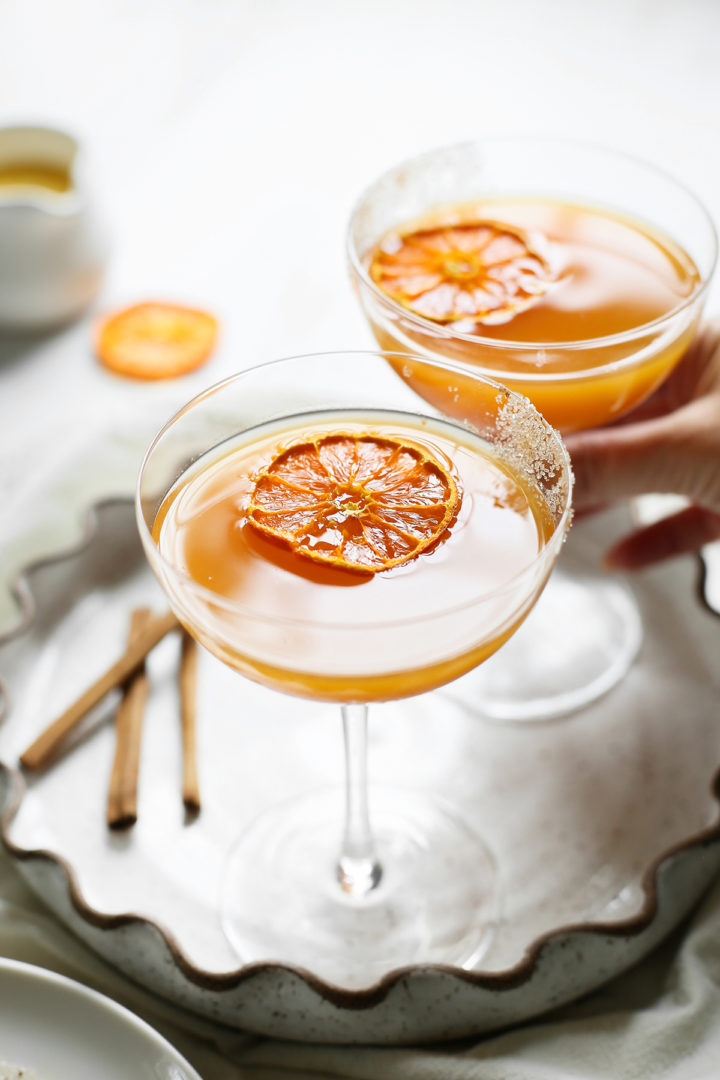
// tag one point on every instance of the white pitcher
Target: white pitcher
(53, 244)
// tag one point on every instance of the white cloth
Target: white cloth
(660, 1021)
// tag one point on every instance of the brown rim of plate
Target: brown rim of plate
(342, 998)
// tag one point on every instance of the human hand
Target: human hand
(670, 444)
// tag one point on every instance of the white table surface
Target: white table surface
(229, 139)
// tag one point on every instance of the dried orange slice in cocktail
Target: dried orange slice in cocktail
(481, 271)
(356, 502)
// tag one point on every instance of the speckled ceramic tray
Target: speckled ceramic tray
(604, 825)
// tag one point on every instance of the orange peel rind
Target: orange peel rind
(355, 502)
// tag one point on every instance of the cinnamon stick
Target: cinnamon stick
(122, 794)
(49, 744)
(188, 716)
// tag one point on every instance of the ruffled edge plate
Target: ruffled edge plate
(419, 1003)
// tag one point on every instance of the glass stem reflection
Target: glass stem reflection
(358, 869)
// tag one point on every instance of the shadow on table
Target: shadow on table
(16, 347)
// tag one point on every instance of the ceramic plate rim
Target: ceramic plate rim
(71, 987)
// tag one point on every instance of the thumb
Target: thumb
(633, 459)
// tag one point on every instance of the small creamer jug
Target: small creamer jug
(53, 243)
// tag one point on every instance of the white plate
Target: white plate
(62, 1030)
(605, 826)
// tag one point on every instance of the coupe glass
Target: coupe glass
(303, 883)
(584, 635)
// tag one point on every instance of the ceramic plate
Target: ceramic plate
(604, 825)
(57, 1029)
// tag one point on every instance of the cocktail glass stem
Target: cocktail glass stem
(358, 867)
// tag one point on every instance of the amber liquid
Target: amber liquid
(312, 629)
(612, 275)
(23, 178)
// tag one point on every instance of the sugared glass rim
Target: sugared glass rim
(218, 600)
(441, 329)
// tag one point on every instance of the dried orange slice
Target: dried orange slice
(357, 502)
(156, 340)
(476, 272)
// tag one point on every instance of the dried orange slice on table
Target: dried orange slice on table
(156, 340)
(478, 272)
(356, 502)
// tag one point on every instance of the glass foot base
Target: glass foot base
(579, 641)
(436, 901)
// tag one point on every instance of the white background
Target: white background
(229, 139)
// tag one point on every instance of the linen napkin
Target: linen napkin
(660, 1021)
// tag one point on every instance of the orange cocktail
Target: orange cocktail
(330, 518)
(573, 275)
(322, 529)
